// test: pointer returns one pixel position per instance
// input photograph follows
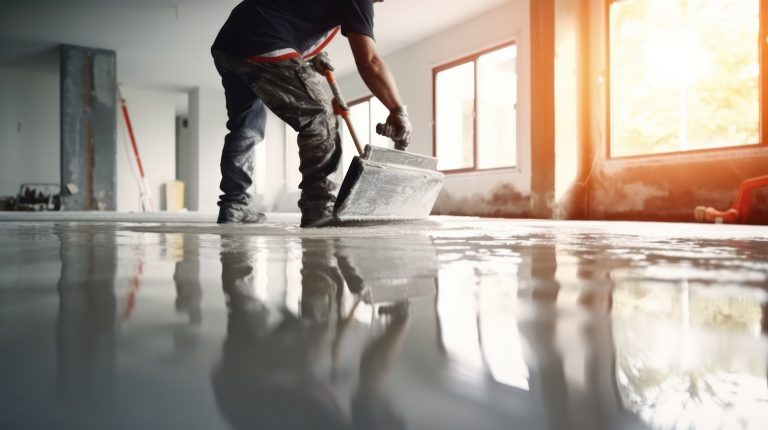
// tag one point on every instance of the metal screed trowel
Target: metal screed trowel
(384, 184)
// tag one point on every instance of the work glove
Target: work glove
(322, 63)
(398, 128)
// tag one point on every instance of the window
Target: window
(475, 111)
(684, 75)
(366, 113)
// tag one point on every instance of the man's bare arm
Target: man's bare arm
(374, 71)
(379, 80)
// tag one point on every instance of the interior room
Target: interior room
(535, 214)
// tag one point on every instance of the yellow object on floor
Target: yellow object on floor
(174, 196)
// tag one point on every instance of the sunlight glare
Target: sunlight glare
(676, 56)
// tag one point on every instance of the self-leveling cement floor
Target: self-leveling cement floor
(452, 323)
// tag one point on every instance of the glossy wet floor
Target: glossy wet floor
(452, 323)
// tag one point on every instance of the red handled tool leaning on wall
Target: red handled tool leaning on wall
(145, 196)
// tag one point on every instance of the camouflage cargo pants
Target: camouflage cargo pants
(292, 90)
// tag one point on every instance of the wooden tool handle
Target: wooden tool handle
(341, 108)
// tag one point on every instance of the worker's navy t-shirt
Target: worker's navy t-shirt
(273, 30)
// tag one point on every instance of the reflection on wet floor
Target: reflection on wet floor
(456, 323)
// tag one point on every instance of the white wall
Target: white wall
(153, 116)
(412, 67)
(29, 129)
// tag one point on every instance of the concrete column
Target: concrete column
(88, 128)
(187, 156)
(202, 154)
(199, 157)
(85, 327)
(543, 108)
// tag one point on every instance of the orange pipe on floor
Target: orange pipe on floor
(739, 211)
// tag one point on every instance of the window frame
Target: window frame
(473, 58)
(693, 153)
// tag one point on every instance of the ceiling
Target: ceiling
(165, 43)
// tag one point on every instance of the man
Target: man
(269, 53)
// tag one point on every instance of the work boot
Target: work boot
(240, 215)
(316, 215)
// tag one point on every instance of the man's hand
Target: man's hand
(398, 128)
(322, 63)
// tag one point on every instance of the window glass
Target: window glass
(685, 75)
(496, 109)
(455, 106)
(379, 114)
(361, 119)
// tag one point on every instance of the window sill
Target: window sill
(705, 155)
